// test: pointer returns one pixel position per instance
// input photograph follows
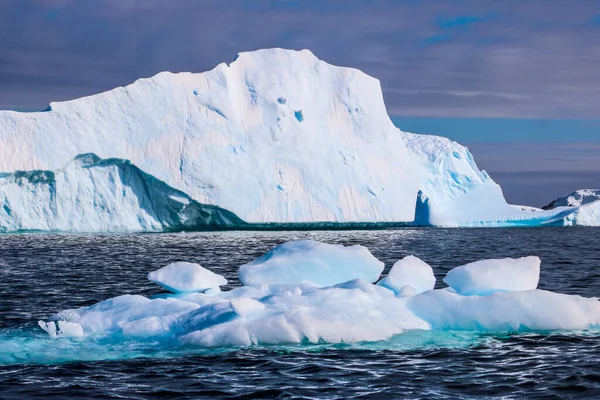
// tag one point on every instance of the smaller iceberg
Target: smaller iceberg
(310, 292)
(308, 261)
(500, 275)
(409, 275)
(575, 199)
(185, 277)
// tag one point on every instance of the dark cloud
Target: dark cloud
(535, 58)
(537, 173)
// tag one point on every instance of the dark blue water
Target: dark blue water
(43, 274)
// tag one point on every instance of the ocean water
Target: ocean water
(43, 274)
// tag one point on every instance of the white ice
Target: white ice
(94, 195)
(185, 277)
(576, 199)
(496, 275)
(308, 261)
(347, 312)
(518, 311)
(409, 276)
(275, 136)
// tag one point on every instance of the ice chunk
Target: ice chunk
(185, 277)
(65, 328)
(308, 261)
(246, 306)
(410, 271)
(350, 312)
(531, 310)
(500, 275)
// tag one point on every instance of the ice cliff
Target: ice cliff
(94, 195)
(276, 136)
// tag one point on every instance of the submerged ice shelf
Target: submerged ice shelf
(281, 310)
(275, 137)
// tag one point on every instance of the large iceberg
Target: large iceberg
(276, 136)
(348, 312)
(409, 275)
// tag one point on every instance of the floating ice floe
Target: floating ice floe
(309, 292)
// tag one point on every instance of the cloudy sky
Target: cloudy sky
(450, 67)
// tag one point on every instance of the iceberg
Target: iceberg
(575, 199)
(274, 137)
(185, 277)
(585, 206)
(500, 275)
(94, 195)
(308, 261)
(349, 312)
(409, 275)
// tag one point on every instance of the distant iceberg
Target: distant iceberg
(275, 137)
(582, 207)
(575, 199)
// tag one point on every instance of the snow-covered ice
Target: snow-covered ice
(409, 273)
(496, 275)
(185, 277)
(575, 199)
(347, 312)
(308, 261)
